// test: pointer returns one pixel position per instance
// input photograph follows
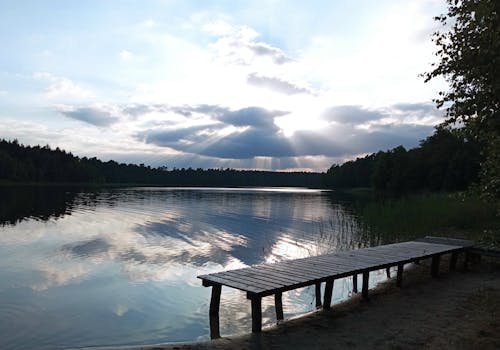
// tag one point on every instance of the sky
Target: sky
(272, 85)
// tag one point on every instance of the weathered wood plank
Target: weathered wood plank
(268, 279)
(235, 275)
(232, 283)
(258, 279)
(281, 275)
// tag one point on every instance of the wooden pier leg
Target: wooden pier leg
(466, 260)
(355, 283)
(318, 294)
(214, 311)
(435, 265)
(328, 294)
(366, 276)
(256, 314)
(399, 276)
(453, 261)
(278, 305)
(388, 272)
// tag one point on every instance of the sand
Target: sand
(459, 310)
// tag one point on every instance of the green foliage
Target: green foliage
(469, 59)
(429, 214)
(446, 160)
(20, 163)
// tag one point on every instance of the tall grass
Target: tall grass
(452, 215)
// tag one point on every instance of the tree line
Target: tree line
(41, 164)
(445, 161)
(465, 149)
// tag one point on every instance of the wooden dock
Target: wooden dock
(274, 279)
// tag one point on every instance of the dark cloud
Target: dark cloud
(263, 49)
(178, 138)
(91, 115)
(384, 137)
(252, 116)
(421, 109)
(262, 138)
(351, 114)
(253, 142)
(276, 84)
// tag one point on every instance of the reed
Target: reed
(454, 215)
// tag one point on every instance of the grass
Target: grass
(453, 215)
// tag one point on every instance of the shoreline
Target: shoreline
(459, 310)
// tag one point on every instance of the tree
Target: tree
(469, 60)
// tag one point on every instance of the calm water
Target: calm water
(119, 266)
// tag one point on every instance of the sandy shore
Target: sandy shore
(459, 310)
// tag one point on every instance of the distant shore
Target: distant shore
(459, 310)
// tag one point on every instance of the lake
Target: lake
(97, 267)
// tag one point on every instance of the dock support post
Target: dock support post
(399, 276)
(328, 294)
(453, 261)
(256, 314)
(214, 311)
(317, 290)
(466, 260)
(355, 283)
(278, 305)
(388, 272)
(435, 265)
(366, 276)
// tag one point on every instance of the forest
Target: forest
(41, 164)
(445, 161)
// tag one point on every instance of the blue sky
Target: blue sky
(276, 85)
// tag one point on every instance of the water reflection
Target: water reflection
(119, 266)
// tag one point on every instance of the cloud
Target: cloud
(61, 87)
(351, 114)
(98, 116)
(252, 116)
(264, 49)
(125, 55)
(150, 23)
(249, 133)
(276, 84)
(179, 138)
(238, 44)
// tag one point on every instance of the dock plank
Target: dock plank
(267, 279)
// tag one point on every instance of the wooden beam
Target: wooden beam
(355, 283)
(278, 305)
(435, 265)
(399, 276)
(214, 311)
(317, 290)
(453, 261)
(366, 277)
(256, 315)
(328, 294)
(466, 260)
